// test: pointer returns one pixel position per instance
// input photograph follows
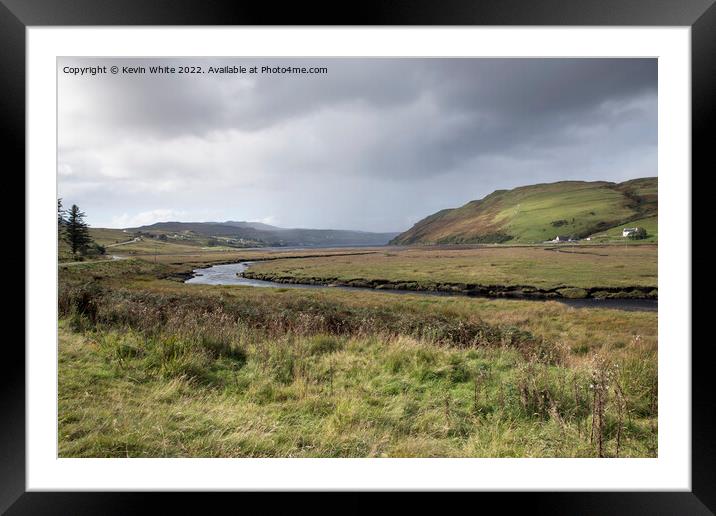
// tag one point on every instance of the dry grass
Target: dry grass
(545, 267)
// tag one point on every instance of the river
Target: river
(228, 274)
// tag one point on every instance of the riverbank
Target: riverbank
(497, 291)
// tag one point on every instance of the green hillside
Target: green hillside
(540, 212)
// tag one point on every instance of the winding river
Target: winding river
(229, 274)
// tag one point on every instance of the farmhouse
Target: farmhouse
(629, 231)
(561, 238)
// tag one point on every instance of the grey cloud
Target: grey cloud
(382, 126)
(196, 104)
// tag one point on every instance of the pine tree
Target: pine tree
(76, 230)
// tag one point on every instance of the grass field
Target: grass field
(542, 267)
(150, 246)
(149, 366)
(107, 236)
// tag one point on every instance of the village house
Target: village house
(629, 231)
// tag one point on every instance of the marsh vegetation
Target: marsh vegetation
(150, 366)
(540, 271)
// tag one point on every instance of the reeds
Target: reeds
(152, 312)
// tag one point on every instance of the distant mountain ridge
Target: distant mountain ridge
(265, 234)
(253, 225)
(539, 212)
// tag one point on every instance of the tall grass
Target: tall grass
(170, 373)
(218, 319)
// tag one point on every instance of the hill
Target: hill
(539, 212)
(246, 234)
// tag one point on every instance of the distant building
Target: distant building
(629, 231)
(561, 238)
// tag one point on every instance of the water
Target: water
(227, 274)
(630, 305)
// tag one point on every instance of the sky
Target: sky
(372, 144)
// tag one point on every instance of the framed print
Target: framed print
(418, 250)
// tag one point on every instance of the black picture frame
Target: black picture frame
(700, 15)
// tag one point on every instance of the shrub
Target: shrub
(639, 234)
(573, 293)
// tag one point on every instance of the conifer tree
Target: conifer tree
(76, 232)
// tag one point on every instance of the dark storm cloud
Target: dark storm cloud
(536, 87)
(377, 124)
(523, 105)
